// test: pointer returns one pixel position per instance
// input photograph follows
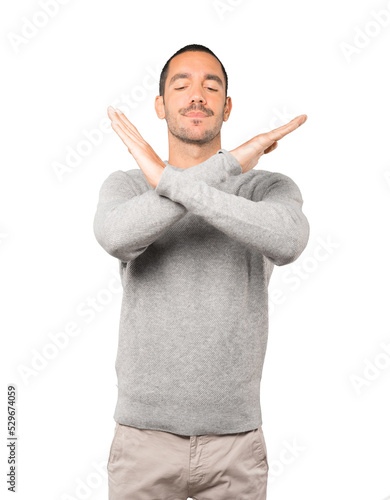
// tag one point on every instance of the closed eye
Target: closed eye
(209, 88)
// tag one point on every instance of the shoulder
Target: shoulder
(133, 179)
(136, 176)
(270, 177)
(265, 182)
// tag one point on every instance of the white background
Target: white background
(321, 393)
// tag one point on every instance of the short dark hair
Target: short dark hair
(188, 48)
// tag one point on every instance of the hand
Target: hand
(149, 162)
(248, 154)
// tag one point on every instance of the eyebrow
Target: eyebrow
(208, 76)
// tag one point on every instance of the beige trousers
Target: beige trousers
(147, 464)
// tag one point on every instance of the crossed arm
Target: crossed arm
(128, 219)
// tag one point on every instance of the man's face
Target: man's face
(201, 91)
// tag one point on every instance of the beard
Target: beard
(192, 134)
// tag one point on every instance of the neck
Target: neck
(185, 155)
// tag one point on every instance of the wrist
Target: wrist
(156, 178)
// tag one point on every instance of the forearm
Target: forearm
(126, 223)
(275, 226)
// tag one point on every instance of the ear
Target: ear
(159, 107)
(227, 109)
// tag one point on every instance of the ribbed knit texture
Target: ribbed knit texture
(195, 256)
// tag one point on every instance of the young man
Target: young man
(196, 238)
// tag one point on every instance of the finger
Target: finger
(127, 122)
(119, 115)
(280, 132)
(123, 133)
(112, 113)
(290, 126)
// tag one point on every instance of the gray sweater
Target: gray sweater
(195, 257)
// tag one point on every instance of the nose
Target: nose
(197, 96)
(198, 99)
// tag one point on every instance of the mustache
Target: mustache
(201, 109)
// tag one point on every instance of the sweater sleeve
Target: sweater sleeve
(128, 218)
(272, 222)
